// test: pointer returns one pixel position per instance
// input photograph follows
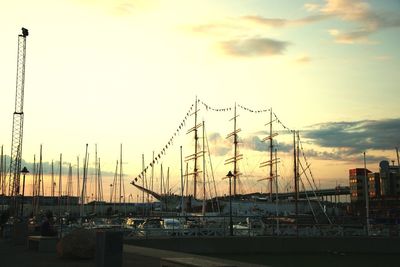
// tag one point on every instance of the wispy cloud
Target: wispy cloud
(359, 12)
(219, 146)
(303, 59)
(250, 47)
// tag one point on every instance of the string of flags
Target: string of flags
(208, 107)
(182, 124)
(283, 125)
(163, 151)
(252, 110)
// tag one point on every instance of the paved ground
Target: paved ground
(20, 256)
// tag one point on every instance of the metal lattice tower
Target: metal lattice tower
(18, 118)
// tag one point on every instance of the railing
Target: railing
(220, 226)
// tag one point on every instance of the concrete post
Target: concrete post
(109, 249)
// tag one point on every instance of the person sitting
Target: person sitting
(47, 227)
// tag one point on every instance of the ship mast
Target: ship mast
(236, 156)
(196, 154)
(272, 161)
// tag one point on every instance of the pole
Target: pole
(235, 144)
(181, 181)
(295, 179)
(270, 156)
(366, 195)
(204, 173)
(23, 195)
(230, 207)
(276, 192)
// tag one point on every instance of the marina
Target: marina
(207, 134)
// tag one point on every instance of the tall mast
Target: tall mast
(162, 180)
(84, 178)
(40, 178)
(366, 192)
(152, 173)
(270, 156)
(167, 187)
(236, 156)
(196, 152)
(196, 140)
(235, 142)
(69, 184)
(1, 172)
(295, 173)
(52, 178)
(121, 176)
(95, 176)
(18, 123)
(298, 163)
(272, 161)
(143, 177)
(398, 159)
(276, 191)
(181, 180)
(77, 177)
(60, 186)
(100, 197)
(204, 173)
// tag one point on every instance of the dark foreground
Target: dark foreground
(18, 255)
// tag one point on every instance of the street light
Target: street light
(24, 171)
(230, 175)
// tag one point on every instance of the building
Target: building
(374, 185)
(390, 179)
(357, 184)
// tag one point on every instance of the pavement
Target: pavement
(20, 256)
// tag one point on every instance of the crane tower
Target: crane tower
(18, 119)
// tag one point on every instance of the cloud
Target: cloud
(354, 137)
(272, 22)
(303, 59)
(367, 20)
(251, 47)
(219, 146)
(278, 22)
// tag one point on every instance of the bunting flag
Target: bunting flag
(208, 107)
(170, 142)
(167, 145)
(283, 125)
(253, 110)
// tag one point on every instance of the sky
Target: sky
(128, 72)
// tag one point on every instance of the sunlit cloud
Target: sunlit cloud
(250, 47)
(382, 58)
(219, 146)
(367, 20)
(303, 59)
(278, 22)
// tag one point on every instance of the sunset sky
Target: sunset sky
(127, 71)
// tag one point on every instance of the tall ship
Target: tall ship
(193, 180)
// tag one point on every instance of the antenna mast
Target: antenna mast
(18, 120)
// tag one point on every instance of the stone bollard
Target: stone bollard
(109, 249)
